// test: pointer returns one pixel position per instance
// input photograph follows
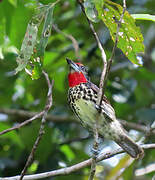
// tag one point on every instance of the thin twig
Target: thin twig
(80, 139)
(116, 42)
(43, 121)
(145, 170)
(151, 129)
(103, 55)
(100, 93)
(23, 123)
(27, 114)
(138, 127)
(74, 41)
(76, 167)
(62, 119)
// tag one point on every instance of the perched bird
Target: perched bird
(82, 98)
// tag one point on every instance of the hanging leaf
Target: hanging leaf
(90, 10)
(130, 39)
(27, 46)
(41, 46)
(46, 32)
(29, 42)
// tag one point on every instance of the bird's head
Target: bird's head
(78, 73)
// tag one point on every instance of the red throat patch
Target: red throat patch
(76, 78)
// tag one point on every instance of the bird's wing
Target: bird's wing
(105, 106)
(96, 89)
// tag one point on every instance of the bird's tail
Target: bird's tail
(133, 149)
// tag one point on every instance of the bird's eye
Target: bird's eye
(83, 68)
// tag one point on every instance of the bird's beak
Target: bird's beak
(73, 65)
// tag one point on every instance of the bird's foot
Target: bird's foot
(95, 152)
(98, 108)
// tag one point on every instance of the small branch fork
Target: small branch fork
(104, 74)
(60, 119)
(38, 115)
(43, 121)
(76, 167)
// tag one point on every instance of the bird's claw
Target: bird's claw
(98, 108)
(95, 152)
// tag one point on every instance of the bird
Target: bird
(82, 99)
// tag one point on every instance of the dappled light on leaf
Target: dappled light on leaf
(62, 30)
(27, 46)
(30, 46)
(130, 39)
(91, 11)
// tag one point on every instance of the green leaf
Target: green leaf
(2, 30)
(33, 167)
(59, 77)
(35, 68)
(90, 10)
(128, 172)
(46, 31)
(13, 2)
(13, 136)
(36, 72)
(68, 152)
(27, 46)
(125, 162)
(147, 17)
(130, 39)
(6, 16)
(1, 53)
(29, 134)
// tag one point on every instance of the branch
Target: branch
(60, 119)
(104, 73)
(138, 127)
(103, 55)
(95, 149)
(100, 92)
(76, 167)
(116, 41)
(28, 114)
(23, 123)
(145, 170)
(77, 139)
(75, 43)
(43, 121)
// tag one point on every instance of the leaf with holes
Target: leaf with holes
(130, 39)
(27, 46)
(46, 30)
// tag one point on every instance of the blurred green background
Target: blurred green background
(130, 89)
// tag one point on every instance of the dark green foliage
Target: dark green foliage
(130, 88)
